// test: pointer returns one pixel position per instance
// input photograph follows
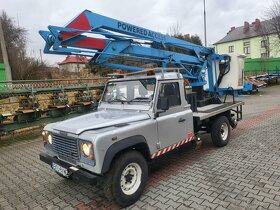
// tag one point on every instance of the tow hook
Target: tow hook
(198, 142)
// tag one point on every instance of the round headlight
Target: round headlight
(86, 148)
(50, 138)
(44, 133)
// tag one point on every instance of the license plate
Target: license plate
(59, 169)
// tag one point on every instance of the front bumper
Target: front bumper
(75, 172)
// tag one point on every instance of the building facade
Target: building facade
(73, 64)
(255, 40)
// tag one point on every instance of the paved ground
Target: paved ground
(243, 175)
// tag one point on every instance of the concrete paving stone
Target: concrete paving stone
(268, 195)
(162, 187)
(234, 207)
(174, 181)
(194, 193)
(38, 208)
(221, 203)
(196, 199)
(50, 206)
(151, 194)
(255, 196)
(171, 208)
(260, 204)
(162, 199)
(140, 203)
(207, 197)
(172, 186)
(68, 207)
(174, 192)
(274, 207)
(133, 207)
(204, 186)
(205, 191)
(209, 204)
(277, 198)
(8, 207)
(161, 205)
(172, 203)
(150, 200)
(184, 195)
(150, 207)
(20, 206)
(195, 205)
(274, 202)
(172, 197)
(232, 200)
(243, 175)
(261, 189)
(185, 207)
(251, 190)
(220, 208)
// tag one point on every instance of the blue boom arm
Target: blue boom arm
(117, 39)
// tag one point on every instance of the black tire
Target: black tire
(113, 186)
(220, 131)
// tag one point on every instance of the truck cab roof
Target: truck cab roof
(146, 74)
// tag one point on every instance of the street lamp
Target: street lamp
(205, 39)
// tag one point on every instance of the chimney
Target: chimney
(231, 29)
(246, 27)
(257, 24)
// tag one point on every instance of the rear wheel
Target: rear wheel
(126, 180)
(220, 131)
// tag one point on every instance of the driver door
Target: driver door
(172, 124)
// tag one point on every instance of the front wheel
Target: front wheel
(126, 179)
(220, 131)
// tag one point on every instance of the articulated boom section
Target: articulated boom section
(82, 36)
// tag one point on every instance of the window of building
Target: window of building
(246, 47)
(264, 43)
(247, 50)
(264, 55)
(172, 92)
(231, 49)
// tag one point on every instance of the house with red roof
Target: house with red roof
(73, 63)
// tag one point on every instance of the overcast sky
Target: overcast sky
(158, 15)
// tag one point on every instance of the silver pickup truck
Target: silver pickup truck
(139, 118)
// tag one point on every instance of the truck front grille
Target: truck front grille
(66, 148)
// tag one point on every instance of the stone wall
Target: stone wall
(11, 104)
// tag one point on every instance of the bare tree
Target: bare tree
(273, 13)
(175, 30)
(23, 67)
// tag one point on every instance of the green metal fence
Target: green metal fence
(2, 72)
(261, 66)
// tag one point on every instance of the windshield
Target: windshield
(131, 91)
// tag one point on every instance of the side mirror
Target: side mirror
(163, 103)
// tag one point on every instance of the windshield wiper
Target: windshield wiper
(116, 100)
(139, 99)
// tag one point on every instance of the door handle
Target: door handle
(181, 120)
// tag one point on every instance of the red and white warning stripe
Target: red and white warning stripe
(173, 146)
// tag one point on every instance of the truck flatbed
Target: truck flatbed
(211, 110)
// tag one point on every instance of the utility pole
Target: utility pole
(5, 54)
(205, 37)
(41, 57)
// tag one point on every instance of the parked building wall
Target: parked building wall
(255, 47)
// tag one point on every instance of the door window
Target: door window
(172, 92)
